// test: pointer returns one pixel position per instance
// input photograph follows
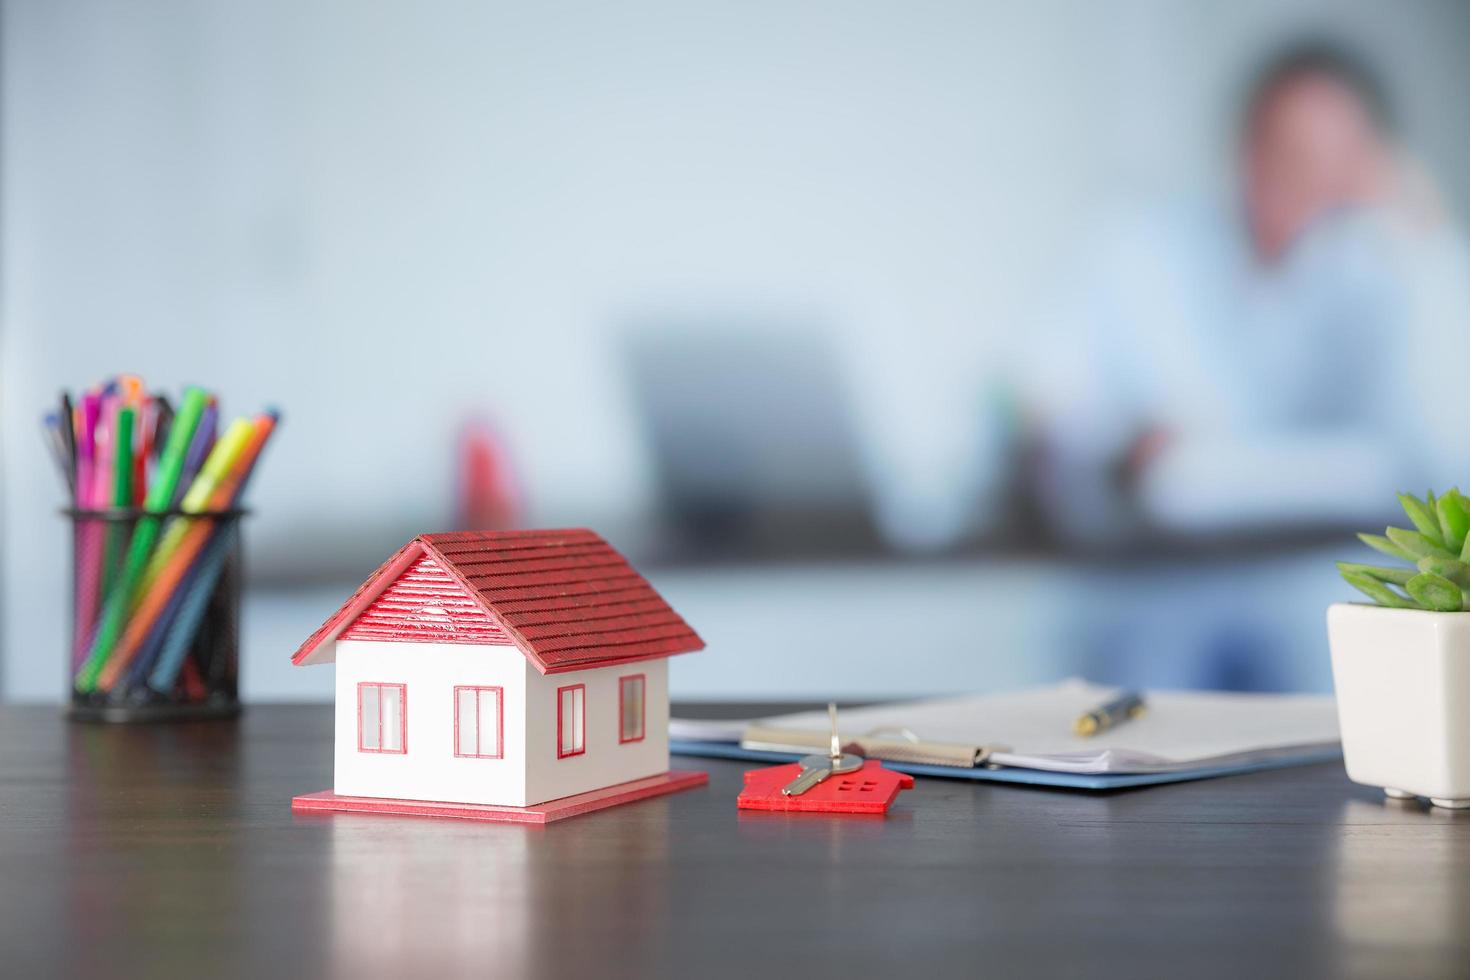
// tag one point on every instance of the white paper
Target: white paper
(1180, 730)
(708, 729)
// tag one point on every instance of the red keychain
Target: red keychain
(834, 783)
(870, 789)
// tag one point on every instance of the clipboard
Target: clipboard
(1013, 774)
(1028, 736)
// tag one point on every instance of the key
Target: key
(815, 768)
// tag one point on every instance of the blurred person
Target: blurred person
(1291, 362)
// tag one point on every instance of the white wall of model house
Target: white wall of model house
(529, 769)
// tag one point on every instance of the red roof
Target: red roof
(424, 602)
(564, 597)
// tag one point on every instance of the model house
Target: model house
(500, 668)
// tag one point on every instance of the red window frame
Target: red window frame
(642, 680)
(402, 718)
(499, 721)
(581, 750)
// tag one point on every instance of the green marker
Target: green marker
(122, 492)
(170, 468)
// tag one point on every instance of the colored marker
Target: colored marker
(89, 532)
(120, 491)
(69, 441)
(199, 448)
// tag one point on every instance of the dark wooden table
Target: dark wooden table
(172, 851)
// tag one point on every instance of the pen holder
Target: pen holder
(170, 650)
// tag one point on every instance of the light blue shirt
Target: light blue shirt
(1304, 391)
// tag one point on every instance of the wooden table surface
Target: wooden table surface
(171, 851)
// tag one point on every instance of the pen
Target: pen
(56, 442)
(1127, 705)
(69, 441)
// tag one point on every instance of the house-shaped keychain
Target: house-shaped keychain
(518, 676)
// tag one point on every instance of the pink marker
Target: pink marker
(102, 459)
(87, 446)
(89, 534)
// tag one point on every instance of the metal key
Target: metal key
(815, 768)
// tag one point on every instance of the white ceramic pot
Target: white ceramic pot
(1403, 699)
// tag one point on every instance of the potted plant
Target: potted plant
(1401, 665)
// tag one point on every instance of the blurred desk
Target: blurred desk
(903, 629)
(172, 851)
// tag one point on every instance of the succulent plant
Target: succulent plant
(1437, 548)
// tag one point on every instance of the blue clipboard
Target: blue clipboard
(1031, 777)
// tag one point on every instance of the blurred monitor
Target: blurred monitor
(751, 440)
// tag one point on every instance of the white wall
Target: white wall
(529, 771)
(606, 760)
(429, 770)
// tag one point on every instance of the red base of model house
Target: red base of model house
(542, 813)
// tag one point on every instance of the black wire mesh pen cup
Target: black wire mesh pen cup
(173, 652)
